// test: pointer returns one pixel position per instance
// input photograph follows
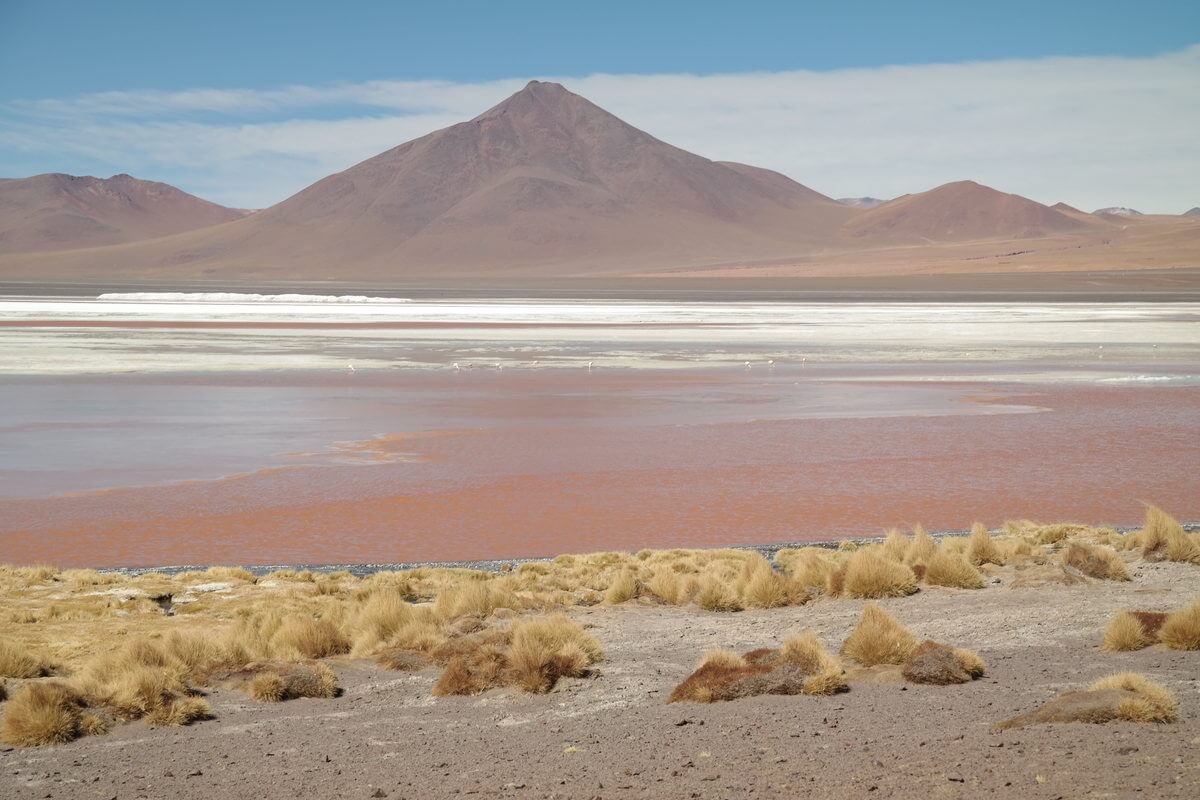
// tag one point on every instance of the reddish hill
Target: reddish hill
(59, 212)
(957, 212)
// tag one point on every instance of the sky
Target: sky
(1092, 103)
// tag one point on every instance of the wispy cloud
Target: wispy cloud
(1090, 131)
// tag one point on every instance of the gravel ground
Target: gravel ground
(612, 735)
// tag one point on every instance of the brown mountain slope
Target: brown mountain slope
(545, 182)
(59, 212)
(959, 212)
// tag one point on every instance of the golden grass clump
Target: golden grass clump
(870, 574)
(921, 549)
(1152, 702)
(532, 654)
(940, 665)
(1164, 539)
(947, 568)
(808, 567)
(801, 666)
(276, 682)
(1095, 562)
(878, 639)
(895, 545)
(302, 637)
(763, 587)
(473, 598)
(42, 712)
(625, 587)
(981, 548)
(1181, 629)
(715, 594)
(1124, 633)
(18, 662)
(1123, 696)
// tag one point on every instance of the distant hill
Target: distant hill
(1118, 211)
(59, 212)
(861, 202)
(1192, 212)
(960, 211)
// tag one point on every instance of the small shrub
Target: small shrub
(878, 639)
(1125, 696)
(17, 662)
(952, 569)
(624, 587)
(1095, 562)
(871, 575)
(1181, 629)
(43, 712)
(1123, 633)
(981, 549)
(937, 664)
(1163, 539)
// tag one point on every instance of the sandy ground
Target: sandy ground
(612, 735)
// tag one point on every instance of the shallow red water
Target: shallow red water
(608, 469)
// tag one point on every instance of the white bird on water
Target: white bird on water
(456, 366)
(771, 363)
(535, 363)
(589, 366)
(747, 365)
(350, 367)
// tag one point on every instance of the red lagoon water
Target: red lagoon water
(305, 470)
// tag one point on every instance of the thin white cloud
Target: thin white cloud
(1089, 131)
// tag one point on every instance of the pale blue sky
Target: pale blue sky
(247, 102)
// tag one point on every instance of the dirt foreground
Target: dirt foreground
(612, 735)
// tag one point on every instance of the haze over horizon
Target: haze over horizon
(1094, 119)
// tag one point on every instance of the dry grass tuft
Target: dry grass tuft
(308, 637)
(43, 712)
(1153, 701)
(870, 574)
(878, 639)
(802, 666)
(947, 568)
(17, 662)
(1124, 633)
(1163, 539)
(922, 548)
(624, 588)
(715, 594)
(532, 655)
(1181, 629)
(981, 548)
(276, 682)
(1124, 696)
(937, 664)
(1095, 562)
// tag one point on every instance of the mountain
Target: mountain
(59, 212)
(547, 187)
(956, 212)
(1118, 211)
(861, 202)
(543, 183)
(1192, 212)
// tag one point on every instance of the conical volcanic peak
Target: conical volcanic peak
(548, 177)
